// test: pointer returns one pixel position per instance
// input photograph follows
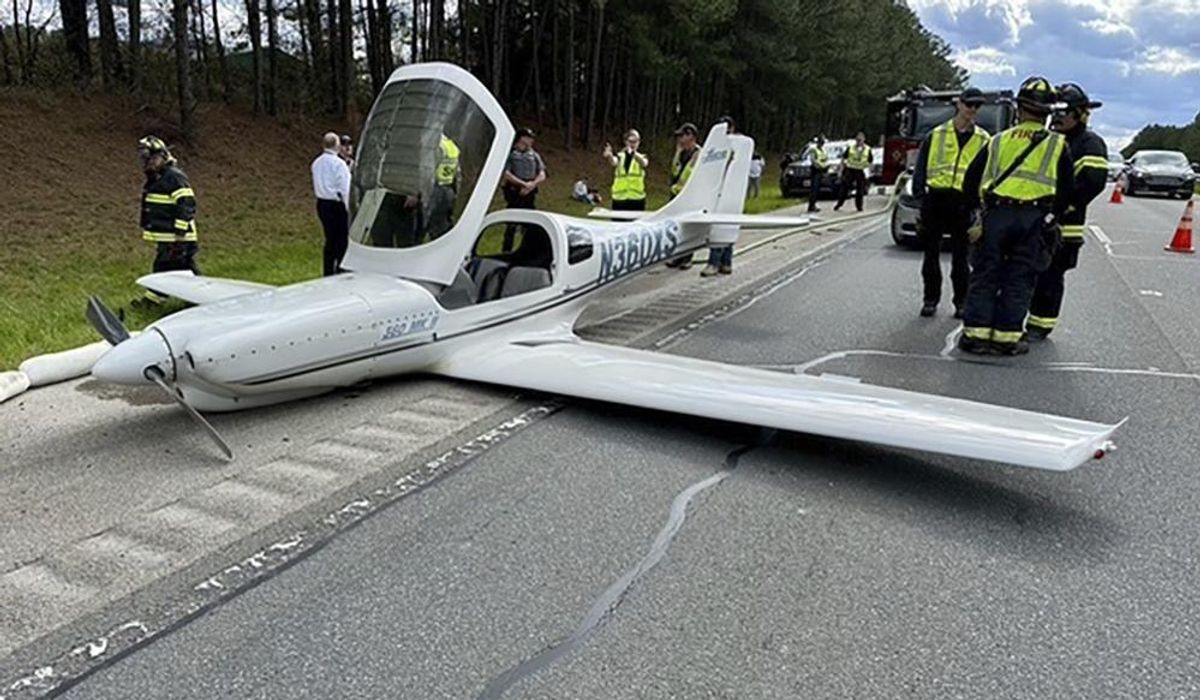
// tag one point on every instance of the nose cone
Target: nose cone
(126, 363)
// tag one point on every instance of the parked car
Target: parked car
(794, 180)
(1159, 171)
(905, 213)
(1115, 166)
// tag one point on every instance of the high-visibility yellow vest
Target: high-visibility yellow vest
(946, 165)
(447, 167)
(819, 160)
(1035, 178)
(680, 175)
(859, 157)
(629, 186)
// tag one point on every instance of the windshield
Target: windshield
(423, 147)
(992, 117)
(1162, 158)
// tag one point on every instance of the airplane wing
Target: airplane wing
(839, 408)
(182, 284)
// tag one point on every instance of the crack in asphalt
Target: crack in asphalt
(606, 604)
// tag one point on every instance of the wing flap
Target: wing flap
(802, 403)
(182, 284)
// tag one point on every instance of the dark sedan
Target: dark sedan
(1168, 172)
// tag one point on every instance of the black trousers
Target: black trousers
(814, 177)
(629, 205)
(941, 214)
(336, 222)
(1003, 273)
(176, 256)
(1051, 285)
(857, 179)
(513, 199)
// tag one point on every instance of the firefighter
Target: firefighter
(168, 213)
(1091, 175)
(1024, 179)
(855, 163)
(818, 162)
(938, 184)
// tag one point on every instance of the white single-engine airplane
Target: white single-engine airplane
(439, 286)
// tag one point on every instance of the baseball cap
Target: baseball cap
(525, 131)
(346, 138)
(972, 96)
(686, 128)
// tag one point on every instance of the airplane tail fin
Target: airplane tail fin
(702, 191)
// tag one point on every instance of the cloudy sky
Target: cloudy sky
(1141, 58)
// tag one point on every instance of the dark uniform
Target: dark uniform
(1018, 234)
(816, 170)
(168, 219)
(1090, 154)
(938, 184)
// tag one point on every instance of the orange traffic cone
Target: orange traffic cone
(1118, 189)
(1182, 242)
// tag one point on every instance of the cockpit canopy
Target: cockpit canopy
(423, 148)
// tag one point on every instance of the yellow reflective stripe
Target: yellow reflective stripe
(1091, 162)
(977, 333)
(182, 192)
(159, 199)
(167, 237)
(1043, 322)
(182, 225)
(1006, 336)
(1072, 230)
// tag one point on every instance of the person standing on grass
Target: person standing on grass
(168, 217)
(331, 185)
(523, 173)
(346, 150)
(757, 165)
(629, 173)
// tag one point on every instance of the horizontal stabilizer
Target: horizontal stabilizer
(614, 215)
(182, 284)
(747, 220)
(802, 403)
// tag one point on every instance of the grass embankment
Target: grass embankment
(69, 196)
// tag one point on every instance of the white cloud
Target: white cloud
(1108, 26)
(984, 60)
(1014, 14)
(1169, 60)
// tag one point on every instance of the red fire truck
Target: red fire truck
(911, 114)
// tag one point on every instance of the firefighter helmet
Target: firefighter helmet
(152, 146)
(1036, 94)
(1075, 98)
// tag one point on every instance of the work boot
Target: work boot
(974, 346)
(709, 271)
(725, 269)
(928, 308)
(1033, 334)
(1018, 348)
(837, 207)
(812, 209)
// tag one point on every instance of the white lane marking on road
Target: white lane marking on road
(1102, 237)
(1048, 367)
(951, 341)
(1150, 293)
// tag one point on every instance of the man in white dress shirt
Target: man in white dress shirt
(331, 185)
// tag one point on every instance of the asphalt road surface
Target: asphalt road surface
(612, 553)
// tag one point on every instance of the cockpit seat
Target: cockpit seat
(488, 275)
(524, 279)
(460, 293)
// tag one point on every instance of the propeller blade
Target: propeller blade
(156, 375)
(105, 322)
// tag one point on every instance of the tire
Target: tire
(897, 238)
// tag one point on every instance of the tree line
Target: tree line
(1168, 138)
(784, 69)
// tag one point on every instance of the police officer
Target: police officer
(855, 163)
(1091, 174)
(687, 153)
(818, 163)
(445, 188)
(938, 184)
(168, 216)
(1024, 179)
